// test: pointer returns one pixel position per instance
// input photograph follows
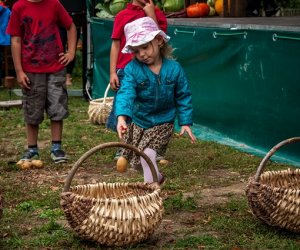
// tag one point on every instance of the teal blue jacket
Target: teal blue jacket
(150, 99)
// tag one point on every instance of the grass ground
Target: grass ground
(204, 199)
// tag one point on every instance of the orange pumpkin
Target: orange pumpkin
(197, 10)
(219, 7)
(204, 9)
(192, 10)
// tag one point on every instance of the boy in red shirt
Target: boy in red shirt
(118, 60)
(40, 61)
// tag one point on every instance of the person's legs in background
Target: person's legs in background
(270, 7)
(1, 64)
(112, 119)
(253, 8)
(71, 65)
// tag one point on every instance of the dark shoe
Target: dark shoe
(58, 156)
(252, 13)
(30, 155)
(272, 11)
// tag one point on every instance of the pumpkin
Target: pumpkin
(204, 9)
(197, 10)
(192, 11)
(219, 7)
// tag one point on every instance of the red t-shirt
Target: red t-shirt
(37, 23)
(131, 13)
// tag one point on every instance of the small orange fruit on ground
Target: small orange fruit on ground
(122, 164)
(37, 163)
(26, 165)
(19, 163)
(164, 162)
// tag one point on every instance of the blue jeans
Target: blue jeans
(112, 119)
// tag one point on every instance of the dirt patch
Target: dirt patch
(211, 196)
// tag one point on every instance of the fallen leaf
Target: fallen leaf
(53, 188)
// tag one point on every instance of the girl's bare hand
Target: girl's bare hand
(187, 129)
(121, 126)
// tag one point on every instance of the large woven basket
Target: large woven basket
(113, 214)
(99, 109)
(274, 196)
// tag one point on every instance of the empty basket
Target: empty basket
(113, 214)
(274, 196)
(99, 109)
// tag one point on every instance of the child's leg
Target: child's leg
(56, 135)
(57, 154)
(56, 130)
(112, 119)
(32, 134)
(57, 110)
(32, 151)
(146, 169)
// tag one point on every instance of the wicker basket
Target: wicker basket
(99, 109)
(113, 214)
(274, 196)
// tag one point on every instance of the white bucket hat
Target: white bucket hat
(141, 31)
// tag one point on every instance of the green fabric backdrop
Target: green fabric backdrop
(245, 84)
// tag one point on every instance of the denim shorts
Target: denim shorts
(47, 93)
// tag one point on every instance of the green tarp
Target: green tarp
(245, 83)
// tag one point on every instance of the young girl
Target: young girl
(154, 90)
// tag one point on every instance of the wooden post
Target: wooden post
(234, 8)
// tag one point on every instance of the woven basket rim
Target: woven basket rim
(100, 147)
(272, 151)
(153, 192)
(96, 101)
(141, 185)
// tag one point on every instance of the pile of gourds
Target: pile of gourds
(210, 8)
(110, 8)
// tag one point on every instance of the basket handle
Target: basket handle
(100, 147)
(270, 153)
(106, 92)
